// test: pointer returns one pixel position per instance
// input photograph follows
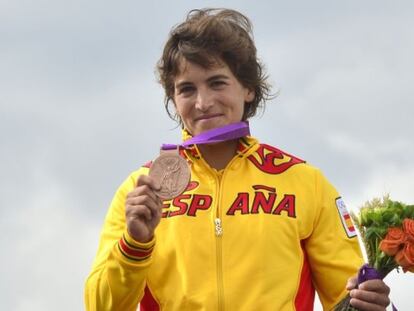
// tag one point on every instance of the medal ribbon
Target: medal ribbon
(217, 135)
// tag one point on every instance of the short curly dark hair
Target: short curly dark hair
(208, 37)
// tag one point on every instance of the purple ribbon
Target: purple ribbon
(217, 135)
(366, 272)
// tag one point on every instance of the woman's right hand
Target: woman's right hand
(143, 209)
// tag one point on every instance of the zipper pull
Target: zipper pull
(219, 228)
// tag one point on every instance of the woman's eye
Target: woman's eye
(218, 83)
(186, 90)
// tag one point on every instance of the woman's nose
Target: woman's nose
(204, 100)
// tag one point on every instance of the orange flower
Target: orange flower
(393, 241)
(405, 257)
(408, 227)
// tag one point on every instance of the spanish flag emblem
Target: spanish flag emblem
(345, 218)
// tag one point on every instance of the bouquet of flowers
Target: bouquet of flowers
(386, 228)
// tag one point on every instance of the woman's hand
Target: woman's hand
(370, 295)
(143, 209)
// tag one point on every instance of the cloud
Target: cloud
(49, 242)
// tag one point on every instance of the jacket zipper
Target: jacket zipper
(219, 233)
(218, 229)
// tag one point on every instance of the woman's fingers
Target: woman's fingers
(377, 286)
(139, 212)
(371, 295)
(352, 283)
(151, 204)
(143, 209)
(149, 181)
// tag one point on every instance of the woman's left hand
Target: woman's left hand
(370, 295)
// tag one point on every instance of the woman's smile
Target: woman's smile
(208, 117)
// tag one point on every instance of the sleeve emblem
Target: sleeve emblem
(345, 218)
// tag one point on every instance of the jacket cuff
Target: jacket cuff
(134, 250)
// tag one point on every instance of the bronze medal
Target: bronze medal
(172, 173)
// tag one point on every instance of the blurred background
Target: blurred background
(80, 108)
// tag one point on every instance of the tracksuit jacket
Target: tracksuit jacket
(262, 234)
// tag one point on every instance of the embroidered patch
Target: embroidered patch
(345, 218)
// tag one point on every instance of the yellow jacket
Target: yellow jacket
(261, 234)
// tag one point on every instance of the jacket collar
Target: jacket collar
(245, 147)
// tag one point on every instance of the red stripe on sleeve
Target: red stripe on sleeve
(133, 252)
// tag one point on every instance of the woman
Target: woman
(255, 229)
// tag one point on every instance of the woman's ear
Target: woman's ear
(249, 96)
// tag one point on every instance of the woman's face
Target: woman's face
(208, 98)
